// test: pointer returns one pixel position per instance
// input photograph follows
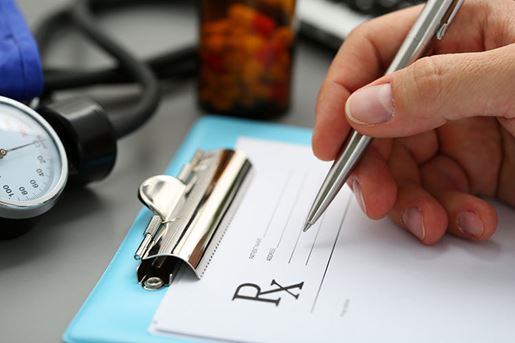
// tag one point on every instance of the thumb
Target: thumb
(434, 90)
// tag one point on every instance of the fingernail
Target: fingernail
(470, 224)
(356, 188)
(370, 105)
(414, 221)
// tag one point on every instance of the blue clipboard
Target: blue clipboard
(118, 309)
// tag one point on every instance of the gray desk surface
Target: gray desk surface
(47, 274)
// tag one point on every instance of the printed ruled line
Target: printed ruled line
(345, 307)
(331, 255)
(296, 243)
(319, 228)
(280, 198)
(298, 239)
(296, 201)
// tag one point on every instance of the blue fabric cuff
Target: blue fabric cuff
(21, 76)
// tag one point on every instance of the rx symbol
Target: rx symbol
(252, 292)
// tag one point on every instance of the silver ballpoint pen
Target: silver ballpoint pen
(433, 21)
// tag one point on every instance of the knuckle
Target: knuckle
(508, 109)
(365, 30)
(497, 21)
(358, 32)
(507, 28)
(509, 125)
(425, 79)
(502, 77)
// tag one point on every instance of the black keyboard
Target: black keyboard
(330, 21)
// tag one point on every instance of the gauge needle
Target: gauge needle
(3, 152)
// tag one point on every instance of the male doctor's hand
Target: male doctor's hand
(445, 124)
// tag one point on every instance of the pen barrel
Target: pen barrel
(423, 31)
(339, 173)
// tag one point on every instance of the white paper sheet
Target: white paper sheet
(347, 279)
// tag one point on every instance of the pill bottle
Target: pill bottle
(246, 57)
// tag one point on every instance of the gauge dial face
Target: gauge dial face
(33, 164)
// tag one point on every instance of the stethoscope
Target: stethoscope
(45, 148)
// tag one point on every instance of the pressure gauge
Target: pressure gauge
(33, 162)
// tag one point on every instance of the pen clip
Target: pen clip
(448, 18)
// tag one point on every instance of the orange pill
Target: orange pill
(214, 43)
(241, 15)
(284, 36)
(216, 27)
(234, 60)
(277, 73)
(252, 71)
(253, 44)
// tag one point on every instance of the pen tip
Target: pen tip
(306, 226)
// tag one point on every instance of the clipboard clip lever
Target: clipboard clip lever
(190, 214)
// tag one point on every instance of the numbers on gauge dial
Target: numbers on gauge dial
(30, 165)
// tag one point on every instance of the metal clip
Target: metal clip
(448, 18)
(191, 213)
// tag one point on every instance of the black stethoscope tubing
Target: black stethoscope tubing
(82, 14)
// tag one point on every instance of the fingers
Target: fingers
(472, 140)
(435, 90)
(509, 125)
(468, 216)
(415, 209)
(331, 128)
(419, 213)
(373, 185)
(506, 186)
(361, 59)
(422, 147)
(427, 203)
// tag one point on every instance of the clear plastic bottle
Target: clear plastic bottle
(246, 57)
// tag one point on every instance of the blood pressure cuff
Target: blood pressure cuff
(21, 77)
